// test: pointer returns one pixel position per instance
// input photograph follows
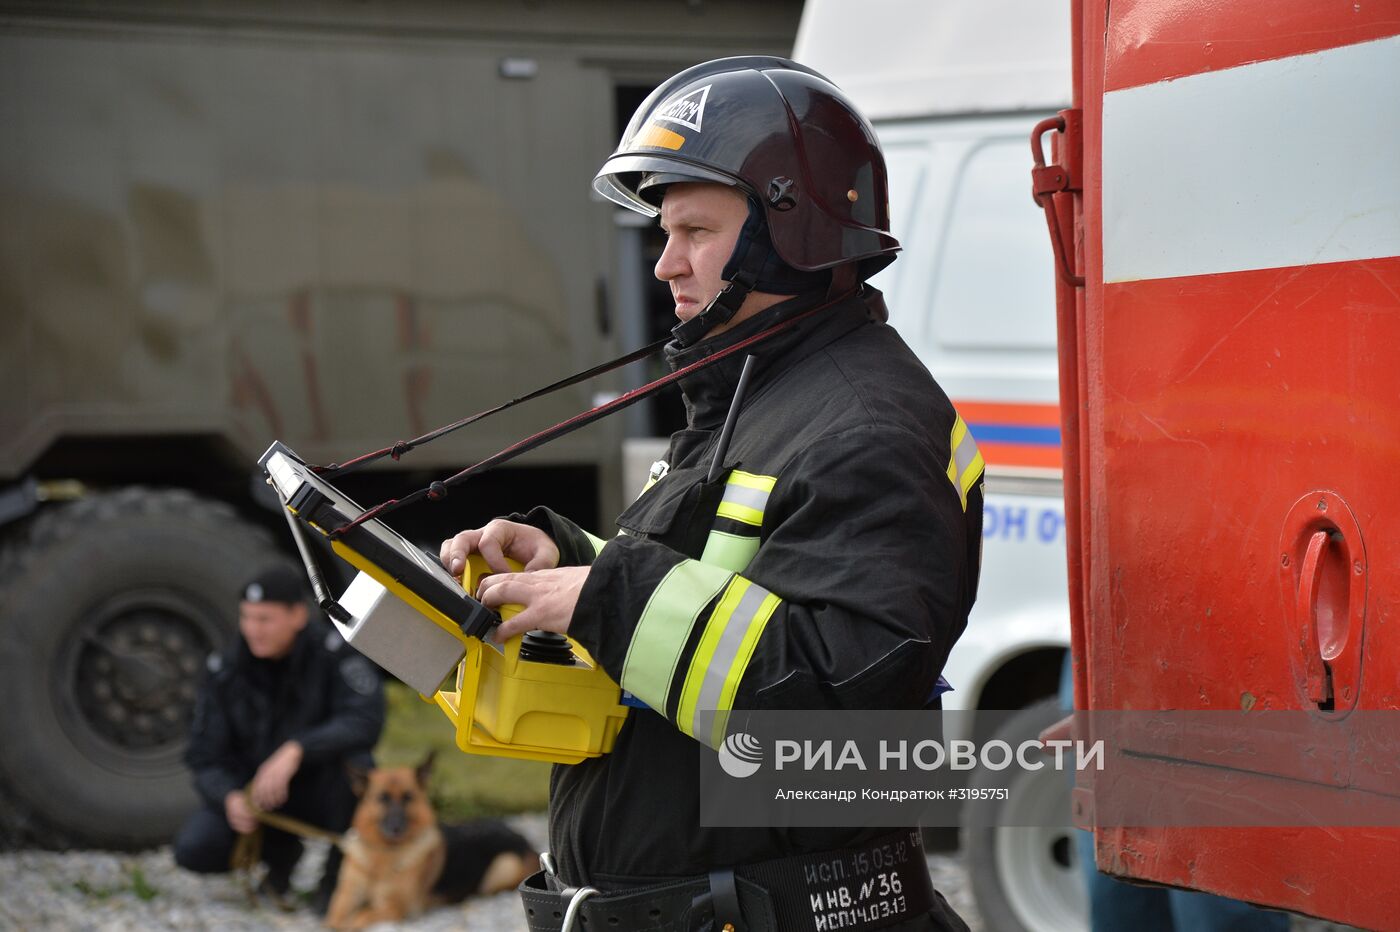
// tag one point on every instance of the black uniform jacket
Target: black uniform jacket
(323, 695)
(842, 547)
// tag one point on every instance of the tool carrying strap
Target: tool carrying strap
(403, 446)
(438, 490)
(860, 889)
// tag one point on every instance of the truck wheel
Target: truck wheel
(109, 607)
(1024, 878)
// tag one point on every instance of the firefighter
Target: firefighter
(832, 562)
(282, 712)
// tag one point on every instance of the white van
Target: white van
(954, 89)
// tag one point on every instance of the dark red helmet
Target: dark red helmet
(783, 134)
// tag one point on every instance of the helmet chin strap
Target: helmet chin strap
(755, 265)
(720, 310)
(747, 261)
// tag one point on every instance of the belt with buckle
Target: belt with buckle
(858, 889)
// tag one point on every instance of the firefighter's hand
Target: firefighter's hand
(271, 782)
(548, 598)
(239, 814)
(498, 540)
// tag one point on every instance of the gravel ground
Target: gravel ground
(92, 890)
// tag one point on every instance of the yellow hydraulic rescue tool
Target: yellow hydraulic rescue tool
(539, 696)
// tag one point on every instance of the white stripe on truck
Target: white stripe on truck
(1273, 164)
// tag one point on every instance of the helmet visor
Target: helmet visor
(620, 175)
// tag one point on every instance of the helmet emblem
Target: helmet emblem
(687, 110)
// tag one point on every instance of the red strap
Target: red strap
(401, 447)
(438, 490)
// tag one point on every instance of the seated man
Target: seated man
(284, 710)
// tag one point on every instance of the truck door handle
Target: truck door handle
(1319, 678)
(1323, 567)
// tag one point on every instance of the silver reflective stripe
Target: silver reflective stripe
(721, 662)
(965, 465)
(965, 453)
(745, 496)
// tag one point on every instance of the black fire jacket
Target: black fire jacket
(842, 548)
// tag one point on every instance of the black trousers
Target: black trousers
(319, 794)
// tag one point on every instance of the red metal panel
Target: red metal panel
(1209, 406)
(1150, 40)
(1226, 398)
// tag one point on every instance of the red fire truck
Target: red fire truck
(1224, 203)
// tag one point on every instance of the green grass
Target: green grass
(139, 886)
(462, 785)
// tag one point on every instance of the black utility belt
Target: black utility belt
(872, 886)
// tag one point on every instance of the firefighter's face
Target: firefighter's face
(702, 224)
(270, 628)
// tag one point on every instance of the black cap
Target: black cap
(279, 583)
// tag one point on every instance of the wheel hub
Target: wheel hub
(135, 670)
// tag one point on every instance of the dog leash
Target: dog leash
(247, 849)
(294, 826)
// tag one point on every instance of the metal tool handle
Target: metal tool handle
(324, 599)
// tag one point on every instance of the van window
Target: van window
(994, 287)
(906, 163)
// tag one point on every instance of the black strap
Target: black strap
(684, 906)
(726, 304)
(401, 447)
(724, 897)
(720, 310)
(860, 889)
(438, 490)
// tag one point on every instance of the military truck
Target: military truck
(337, 225)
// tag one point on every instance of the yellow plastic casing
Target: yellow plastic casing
(504, 706)
(508, 707)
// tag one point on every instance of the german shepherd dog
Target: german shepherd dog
(400, 861)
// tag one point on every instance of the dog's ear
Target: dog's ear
(359, 779)
(424, 769)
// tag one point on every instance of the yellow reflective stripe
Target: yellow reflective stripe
(959, 432)
(740, 513)
(965, 463)
(745, 497)
(731, 551)
(597, 543)
(739, 667)
(705, 655)
(721, 658)
(971, 475)
(665, 626)
(751, 480)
